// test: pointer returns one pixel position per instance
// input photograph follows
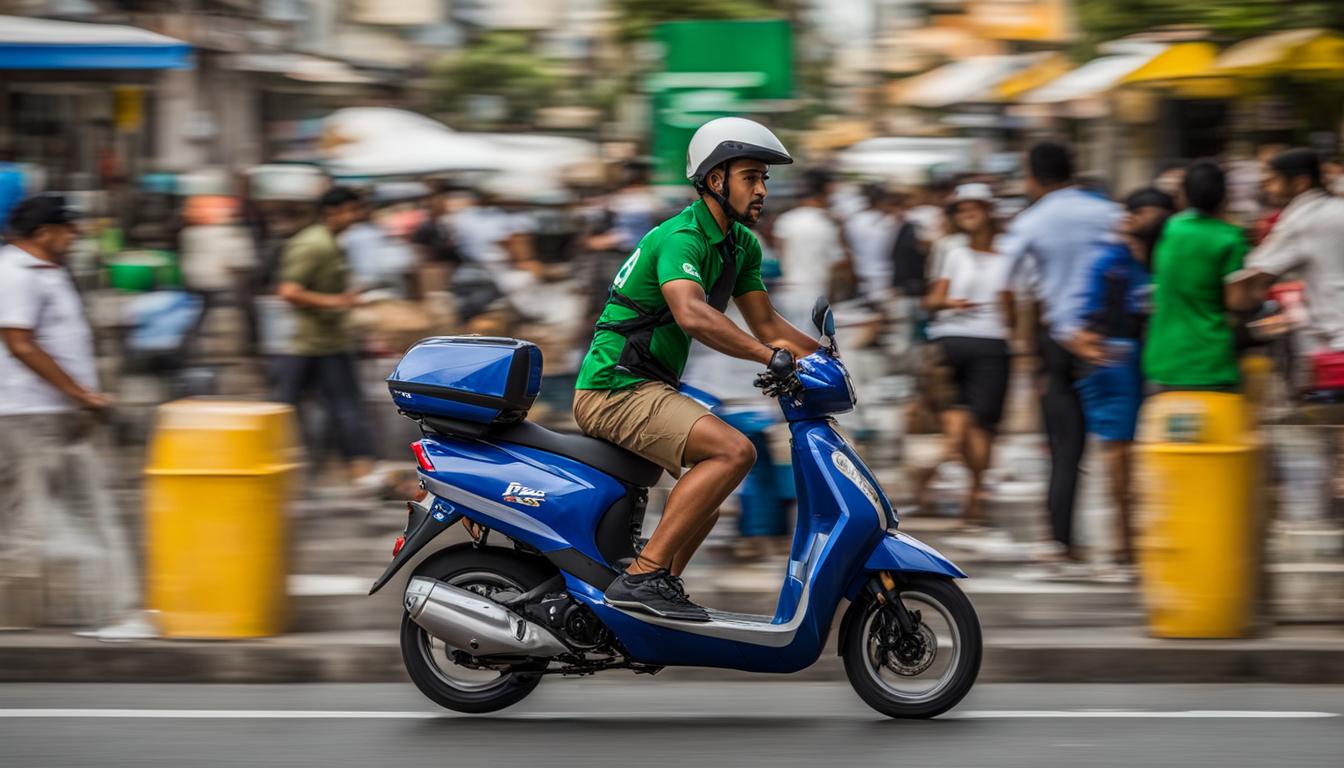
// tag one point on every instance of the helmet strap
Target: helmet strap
(722, 197)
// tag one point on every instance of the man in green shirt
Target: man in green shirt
(314, 279)
(1190, 342)
(673, 289)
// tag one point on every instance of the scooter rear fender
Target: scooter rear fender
(427, 520)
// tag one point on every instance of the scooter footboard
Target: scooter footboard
(901, 552)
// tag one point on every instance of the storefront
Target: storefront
(76, 99)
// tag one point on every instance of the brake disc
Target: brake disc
(911, 655)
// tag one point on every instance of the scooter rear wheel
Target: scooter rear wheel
(920, 676)
(495, 574)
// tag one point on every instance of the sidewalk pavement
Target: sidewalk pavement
(1034, 631)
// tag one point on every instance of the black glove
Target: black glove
(780, 376)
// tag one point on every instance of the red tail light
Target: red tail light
(421, 457)
(397, 545)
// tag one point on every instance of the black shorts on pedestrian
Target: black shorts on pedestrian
(980, 370)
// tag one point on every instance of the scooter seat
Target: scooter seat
(599, 454)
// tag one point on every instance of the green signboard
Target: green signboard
(715, 69)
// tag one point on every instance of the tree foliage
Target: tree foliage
(500, 64)
(1110, 19)
(638, 17)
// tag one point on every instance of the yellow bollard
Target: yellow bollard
(1199, 529)
(217, 481)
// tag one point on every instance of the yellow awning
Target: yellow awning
(965, 81)
(1038, 74)
(1181, 61)
(1307, 51)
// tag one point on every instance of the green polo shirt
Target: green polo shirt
(1190, 343)
(314, 260)
(685, 247)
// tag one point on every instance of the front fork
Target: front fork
(889, 597)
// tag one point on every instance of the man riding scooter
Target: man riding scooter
(673, 289)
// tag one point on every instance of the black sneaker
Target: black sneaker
(658, 592)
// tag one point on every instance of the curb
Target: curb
(1295, 656)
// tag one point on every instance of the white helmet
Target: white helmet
(731, 138)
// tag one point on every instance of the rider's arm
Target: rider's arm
(770, 327)
(707, 325)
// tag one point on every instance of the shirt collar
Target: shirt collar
(705, 220)
(28, 260)
(1303, 200)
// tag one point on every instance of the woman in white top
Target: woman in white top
(971, 301)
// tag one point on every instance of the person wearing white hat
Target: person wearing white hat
(972, 304)
(673, 289)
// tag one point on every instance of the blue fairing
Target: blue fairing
(906, 554)
(556, 504)
(826, 389)
(839, 526)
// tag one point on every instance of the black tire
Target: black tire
(962, 676)
(520, 570)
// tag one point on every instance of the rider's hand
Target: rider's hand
(780, 376)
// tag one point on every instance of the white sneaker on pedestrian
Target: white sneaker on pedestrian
(139, 626)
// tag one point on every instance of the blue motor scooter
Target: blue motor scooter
(484, 622)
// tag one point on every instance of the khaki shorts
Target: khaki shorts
(652, 420)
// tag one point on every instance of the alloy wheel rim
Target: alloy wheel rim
(949, 646)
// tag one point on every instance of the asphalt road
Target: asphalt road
(643, 723)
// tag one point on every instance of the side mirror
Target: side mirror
(822, 318)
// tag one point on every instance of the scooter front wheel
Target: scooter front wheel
(915, 674)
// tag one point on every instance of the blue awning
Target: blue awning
(27, 43)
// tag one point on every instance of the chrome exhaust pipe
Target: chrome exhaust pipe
(472, 624)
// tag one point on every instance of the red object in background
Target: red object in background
(1327, 370)
(1287, 293)
(1262, 227)
(420, 457)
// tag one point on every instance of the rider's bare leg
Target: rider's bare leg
(683, 556)
(720, 457)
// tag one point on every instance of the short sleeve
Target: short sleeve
(681, 257)
(1277, 255)
(297, 263)
(749, 271)
(20, 299)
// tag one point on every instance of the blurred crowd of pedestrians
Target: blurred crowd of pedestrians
(1162, 290)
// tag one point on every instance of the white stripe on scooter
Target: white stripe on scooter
(323, 714)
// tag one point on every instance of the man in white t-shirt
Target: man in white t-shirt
(1307, 240)
(810, 250)
(871, 234)
(51, 478)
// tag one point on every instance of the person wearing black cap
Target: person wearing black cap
(48, 385)
(1308, 240)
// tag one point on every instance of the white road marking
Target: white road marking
(1190, 714)
(325, 714)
